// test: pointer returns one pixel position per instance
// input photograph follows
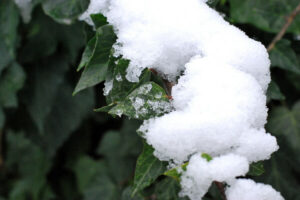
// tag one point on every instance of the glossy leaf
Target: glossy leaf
(284, 57)
(96, 67)
(121, 86)
(11, 82)
(256, 169)
(274, 92)
(64, 11)
(9, 20)
(148, 100)
(286, 122)
(93, 180)
(148, 168)
(268, 15)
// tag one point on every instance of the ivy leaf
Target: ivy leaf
(284, 57)
(64, 11)
(268, 15)
(148, 168)
(256, 169)
(176, 172)
(11, 82)
(274, 92)
(87, 53)
(147, 101)
(126, 195)
(93, 180)
(9, 20)
(2, 118)
(168, 189)
(121, 86)
(120, 149)
(286, 122)
(33, 166)
(280, 173)
(99, 20)
(45, 81)
(97, 65)
(65, 116)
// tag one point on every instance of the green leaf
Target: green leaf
(176, 172)
(88, 53)
(9, 20)
(11, 82)
(65, 116)
(45, 81)
(168, 189)
(64, 11)
(43, 37)
(126, 195)
(93, 180)
(148, 168)
(147, 101)
(274, 92)
(96, 67)
(120, 149)
(2, 118)
(284, 57)
(267, 15)
(280, 173)
(121, 86)
(286, 122)
(99, 20)
(33, 166)
(206, 157)
(256, 169)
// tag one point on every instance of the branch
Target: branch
(283, 30)
(221, 188)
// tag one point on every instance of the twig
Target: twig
(167, 84)
(221, 188)
(283, 30)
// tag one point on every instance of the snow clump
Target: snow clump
(219, 103)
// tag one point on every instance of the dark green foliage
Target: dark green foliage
(53, 146)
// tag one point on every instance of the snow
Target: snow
(216, 106)
(25, 7)
(96, 6)
(219, 103)
(245, 189)
(108, 87)
(200, 173)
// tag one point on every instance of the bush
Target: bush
(62, 139)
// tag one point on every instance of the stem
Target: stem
(221, 188)
(283, 30)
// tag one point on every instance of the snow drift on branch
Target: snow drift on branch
(220, 102)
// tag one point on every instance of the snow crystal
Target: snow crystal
(160, 107)
(245, 189)
(138, 103)
(200, 173)
(25, 7)
(119, 77)
(96, 6)
(108, 87)
(145, 89)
